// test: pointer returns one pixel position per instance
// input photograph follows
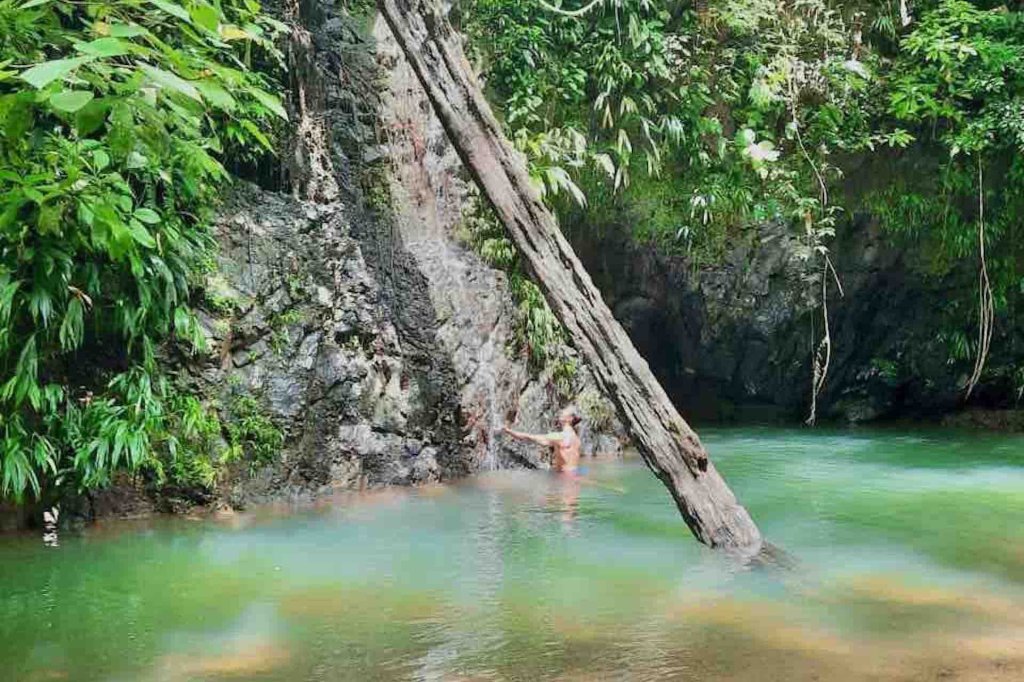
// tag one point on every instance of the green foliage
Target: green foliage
(114, 121)
(220, 298)
(537, 331)
(957, 84)
(726, 113)
(279, 324)
(687, 125)
(961, 68)
(575, 92)
(252, 435)
(194, 449)
(598, 412)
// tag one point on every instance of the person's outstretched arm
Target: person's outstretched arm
(544, 440)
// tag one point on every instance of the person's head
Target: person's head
(569, 416)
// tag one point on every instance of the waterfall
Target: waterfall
(472, 318)
(492, 417)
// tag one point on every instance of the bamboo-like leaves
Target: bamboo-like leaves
(172, 8)
(110, 164)
(73, 326)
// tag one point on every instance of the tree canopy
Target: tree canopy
(693, 122)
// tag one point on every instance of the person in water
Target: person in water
(565, 444)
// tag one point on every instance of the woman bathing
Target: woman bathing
(565, 444)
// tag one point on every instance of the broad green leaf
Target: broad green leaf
(41, 75)
(70, 100)
(166, 79)
(254, 130)
(141, 234)
(127, 30)
(85, 214)
(171, 8)
(216, 95)
(34, 3)
(253, 30)
(270, 102)
(136, 160)
(121, 238)
(147, 215)
(231, 32)
(90, 117)
(206, 16)
(50, 215)
(100, 159)
(105, 47)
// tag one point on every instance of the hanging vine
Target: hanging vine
(986, 302)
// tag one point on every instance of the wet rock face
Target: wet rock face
(469, 301)
(347, 308)
(295, 321)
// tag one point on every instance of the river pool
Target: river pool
(910, 551)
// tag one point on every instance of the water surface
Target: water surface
(911, 567)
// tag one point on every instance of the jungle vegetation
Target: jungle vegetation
(690, 122)
(116, 121)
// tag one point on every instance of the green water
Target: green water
(911, 567)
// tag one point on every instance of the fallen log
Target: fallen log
(670, 448)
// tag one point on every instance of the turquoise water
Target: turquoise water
(910, 550)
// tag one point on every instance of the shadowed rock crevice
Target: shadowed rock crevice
(733, 340)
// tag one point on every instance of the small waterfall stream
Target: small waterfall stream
(464, 298)
(492, 418)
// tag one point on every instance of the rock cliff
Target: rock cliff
(344, 301)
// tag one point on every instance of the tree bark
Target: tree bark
(668, 445)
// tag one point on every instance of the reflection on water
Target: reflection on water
(910, 555)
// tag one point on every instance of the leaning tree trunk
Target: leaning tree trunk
(668, 445)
